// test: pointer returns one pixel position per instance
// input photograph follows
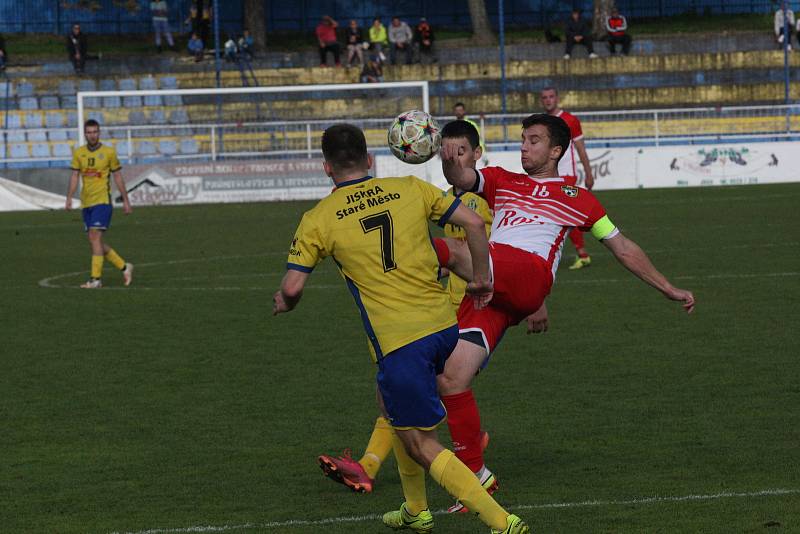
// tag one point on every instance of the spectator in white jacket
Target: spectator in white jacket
(779, 24)
(401, 40)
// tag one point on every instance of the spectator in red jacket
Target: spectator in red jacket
(617, 28)
(423, 35)
(326, 37)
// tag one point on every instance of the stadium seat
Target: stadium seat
(55, 119)
(40, 150)
(137, 118)
(91, 102)
(108, 84)
(118, 133)
(167, 147)
(112, 102)
(178, 116)
(189, 146)
(49, 102)
(2, 150)
(132, 101)
(33, 120)
(168, 82)
(148, 83)
(25, 89)
(14, 120)
(6, 86)
(127, 84)
(39, 136)
(87, 84)
(69, 102)
(19, 150)
(72, 119)
(158, 117)
(62, 150)
(146, 148)
(96, 115)
(122, 148)
(59, 134)
(173, 100)
(153, 100)
(16, 136)
(66, 88)
(28, 103)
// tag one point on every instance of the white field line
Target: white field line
(546, 506)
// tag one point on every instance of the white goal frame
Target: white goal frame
(82, 95)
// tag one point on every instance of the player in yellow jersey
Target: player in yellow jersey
(93, 163)
(377, 232)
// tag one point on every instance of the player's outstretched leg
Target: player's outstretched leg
(345, 470)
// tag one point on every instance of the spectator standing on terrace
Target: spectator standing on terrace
(372, 71)
(780, 25)
(400, 37)
(617, 28)
(205, 26)
(326, 37)
(579, 32)
(424, 37)
(196, 47)
(355, 43)
(160, 11)
(378, 38)
(77, 46)
(246, 44)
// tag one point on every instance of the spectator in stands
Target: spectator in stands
(246, 44)
(77, 46)
(424, 37)
(231, 50)
(355, 43)
(160, 11)
(193, 20)
(3, 55)
(378, 38)
(400, 38)
(326, 37)
(205, 25)
(579, 32)
(779, 25)
(372, 71)
(617, 27)
(196, 47)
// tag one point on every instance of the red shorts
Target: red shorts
(522, 280)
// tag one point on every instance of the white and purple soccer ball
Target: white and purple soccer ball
(414, 137)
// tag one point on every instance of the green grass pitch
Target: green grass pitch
(180, 403)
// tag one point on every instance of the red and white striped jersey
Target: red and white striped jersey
(568, 165)
(536, 214)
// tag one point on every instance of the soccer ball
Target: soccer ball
(414, 137)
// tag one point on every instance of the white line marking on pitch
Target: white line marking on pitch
(375, 517)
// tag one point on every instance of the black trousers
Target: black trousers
(624, 40)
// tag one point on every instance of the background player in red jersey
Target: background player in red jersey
(532, 214)
(567, 166)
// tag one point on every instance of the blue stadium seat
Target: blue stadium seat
(49, 102)
(146, 148)
(122, 148)
(62, 150)
(71, 102)
(153, 100)
(127, 84)
(16, 136)
(178, 116)
(28, 103)
(132, 101)
(72, 119)
(158, 117)
(25, 89)
(66, 88)
(173, 100)
(117, 133)
(90, 102)
(108, 84)
(87, 84)
(19, 150)
(148, 83)
(112, 102)
(168, 82)
(6, 86)
(2, 150)
(40, 150)
(137, 118)
(33, 120)
(39, 136)
(14, 120)
(96, 115)
(167, 147)
(58, 135)
(189, 146)
(55, 119)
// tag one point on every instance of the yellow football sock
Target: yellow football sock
(462, 484)
(97, 266)
(380, 443)
(115, 259)
(412, 478)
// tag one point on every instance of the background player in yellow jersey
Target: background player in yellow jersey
(377, 232)
(93, 163)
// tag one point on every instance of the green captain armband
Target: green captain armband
(603, 228)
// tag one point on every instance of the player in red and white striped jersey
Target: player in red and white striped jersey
(532, 214)
(568, 166)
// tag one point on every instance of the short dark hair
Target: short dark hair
(459, 104)
(461, 128)
(549, 88)
(344, 147)
(91, 122)
(557, 129)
